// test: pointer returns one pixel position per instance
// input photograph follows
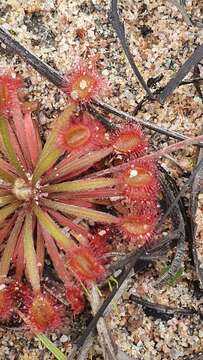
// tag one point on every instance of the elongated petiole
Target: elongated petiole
(88, 194)
(55, 257)
(81, 212)
(64, 221)
(9, 147)
(52, 150)
(7, 199)
(5, 173)
(40, 249)
(30, 254)
(62, 120)
(8, 210)
(6, 228)
(17, 117)
(52, 228)
(44, 165)
(153, 156)
(9, 248)
(84, 162)
(79, 185)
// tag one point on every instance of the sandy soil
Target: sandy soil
(60, 32)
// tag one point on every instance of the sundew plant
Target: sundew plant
(63, 199)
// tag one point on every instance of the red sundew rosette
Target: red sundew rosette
(82, 134)
(139, 228)
(75, 298)
(99, 245)
(129, 140)
(21, 294)
(139, 182)
(44, 314)
(83, 84)
(8, 84)
(6, 302)
(84, 264)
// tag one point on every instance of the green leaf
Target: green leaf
(81, 212)
(46, 163)
(51, 152)
(80, 185)
(51, 347)
(80, 164)
(174, 279)
(8, 145)
(30, 254)
(52, 228)
(8, 210)
(9, 248)
(5, 174)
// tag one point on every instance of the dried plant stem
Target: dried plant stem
(120, 31)
(154, 156)
(181, 193)
(144, 123)
(31, 59)
(193, 60)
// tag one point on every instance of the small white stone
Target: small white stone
(63, 338)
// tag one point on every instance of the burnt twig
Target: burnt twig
(109, 125)
(31, 59)
(182, 10)
(147, 124)
(196, 74)
(196, 220)
(193, 60)
(178, 216)
(181, 193)
(120, 31)
(161, 311)
(191, 81)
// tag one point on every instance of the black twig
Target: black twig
(193, 60)
(178, 216)
(197, 84)
(120, 31)
(41, 67)
(144, 123)
(109, 125)
(191, 81)
(161, 311)
(181, 193)
(197, 188)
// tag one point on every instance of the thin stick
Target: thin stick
(181, 193)
(156, 155)
(31, 59)
(144, 123)
(193, 60)
(159, 310)
(120, 31)
(191, 81)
